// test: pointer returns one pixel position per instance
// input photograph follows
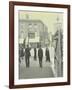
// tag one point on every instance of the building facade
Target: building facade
(33, 32)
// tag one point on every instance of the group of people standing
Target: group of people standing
(27, 55)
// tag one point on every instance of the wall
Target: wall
(4, 44)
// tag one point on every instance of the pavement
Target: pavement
(34, 71)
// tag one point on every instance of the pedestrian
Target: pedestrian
(35, 53)
(32, 52)
(47, 54)
(40, 56)
(27, 56)
(21, 53)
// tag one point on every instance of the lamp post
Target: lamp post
(27, 18)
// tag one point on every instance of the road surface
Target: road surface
(34, 71)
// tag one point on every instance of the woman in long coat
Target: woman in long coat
(47, 54)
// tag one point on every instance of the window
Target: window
(31, 35)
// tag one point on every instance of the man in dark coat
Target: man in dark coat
(47, 55)
(35, 57)
(27, 56)
(40, 56)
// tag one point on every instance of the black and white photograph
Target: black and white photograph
(40, 36)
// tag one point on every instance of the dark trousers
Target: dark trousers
(27, 61)
(35, 57)
(40, 62)
(47, 58)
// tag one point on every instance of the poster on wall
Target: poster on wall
(39, 44)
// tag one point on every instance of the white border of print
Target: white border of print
(17, 81)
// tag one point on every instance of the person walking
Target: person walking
(27, 56)
(47, 54)
(21, 53)
(40, 56)
(35, 52)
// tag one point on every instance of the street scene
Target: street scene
(40, 45)
(34, 70)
